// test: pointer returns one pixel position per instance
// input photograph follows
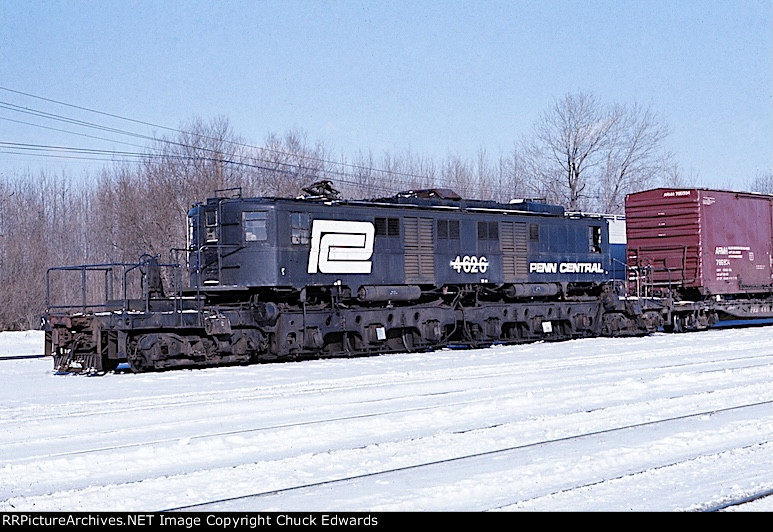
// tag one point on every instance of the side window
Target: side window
(387, 226)
(448, 229)
(594, 239)
(299, 228)
(191, 234)
(210, 220)
(534, 232)
(254, 224)
(488, 231)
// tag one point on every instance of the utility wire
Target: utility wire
(206, 137)
(91, 154)
(343, 176)
(294, 167)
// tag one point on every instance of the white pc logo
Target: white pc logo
(341, 247)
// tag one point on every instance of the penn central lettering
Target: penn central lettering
(565, 267)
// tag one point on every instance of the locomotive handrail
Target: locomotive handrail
(615, 262)
(676, 277)
(109, 301)
(125, 297)
(237, 193)
(106, 268)
(198, 266)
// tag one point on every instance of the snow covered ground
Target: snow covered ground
(667, 422)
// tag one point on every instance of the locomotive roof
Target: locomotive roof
(436, 199)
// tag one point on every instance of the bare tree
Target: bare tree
(365, 181)
(564, 151)
(673, 176)
(510, 180)
(634, 158)
(394, 172)
(587, 155)
(459, 175)
(40, 222)
(284, 165)
(762, 182)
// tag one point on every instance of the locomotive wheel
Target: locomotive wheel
(676, 325)
(140, 356)
(138, 363)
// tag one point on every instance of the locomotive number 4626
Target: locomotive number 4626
(470, 264)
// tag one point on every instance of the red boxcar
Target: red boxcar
(715, 242)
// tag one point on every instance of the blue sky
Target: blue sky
(437, 78)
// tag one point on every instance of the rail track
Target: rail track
(741, 501)
(20, 357)
(534, 427)
(475, 462)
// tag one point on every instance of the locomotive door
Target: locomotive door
(419, 250)
(209, 250)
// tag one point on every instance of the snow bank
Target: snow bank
(21, 343)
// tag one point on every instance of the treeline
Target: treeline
(581, 154)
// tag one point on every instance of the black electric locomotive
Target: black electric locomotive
(282, 279)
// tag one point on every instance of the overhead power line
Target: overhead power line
(174, 130)
(91, 154)
(254, 158)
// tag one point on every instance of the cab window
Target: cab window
(594, 239)
(254, 224)
(299, 227)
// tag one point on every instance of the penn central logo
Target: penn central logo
(341, 247)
